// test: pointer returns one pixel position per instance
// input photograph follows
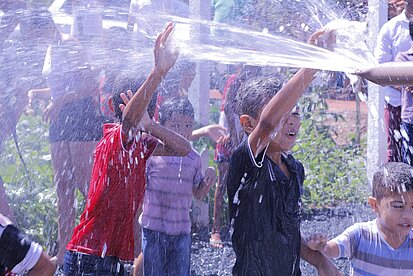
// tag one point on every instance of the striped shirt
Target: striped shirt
(371, 255)
(168, 194)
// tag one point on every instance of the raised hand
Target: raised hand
(165, 58)
(323, 38)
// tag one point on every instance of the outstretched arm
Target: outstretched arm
(214, 132)
(170, 142)
(164, 60)
(280, 106)
(43, 267)
(324, 266)
(319, 242)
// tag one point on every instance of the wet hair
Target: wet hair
(393, 177)
(254, 94)
(182, 66)
(171, 84)
(123, 83)
(177, 105)
(411, 28)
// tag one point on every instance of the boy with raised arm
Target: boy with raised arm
(104, 238)
(265, 182)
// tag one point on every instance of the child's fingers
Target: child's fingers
(130, 94)
(320, 237)
(313, 38)
(315, 237)
(166, 34)
(124, 98)
(226, 140)
(122, 107)
(222, 129)
(158, 41)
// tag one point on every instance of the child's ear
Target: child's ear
(110, 103)
(373, 203)
(246, 123)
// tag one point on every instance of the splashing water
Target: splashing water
(237, 45)
(202, 40)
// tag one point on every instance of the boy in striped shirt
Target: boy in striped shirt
(383, 246)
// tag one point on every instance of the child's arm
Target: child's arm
(42, 93)
(319, 242)
(323, 265)
(214, 132)
(44, 266)
(33, 94)
(164, 60)
(202, 189)
(170, 142)
(281, 105)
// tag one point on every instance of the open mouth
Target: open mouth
(406, 225)
(291, 134)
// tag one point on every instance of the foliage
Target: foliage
(31, 193)
(334, 174)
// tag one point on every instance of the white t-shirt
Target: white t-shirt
(392, 39)
(32, 255)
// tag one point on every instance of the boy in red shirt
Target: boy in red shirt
(104, 236)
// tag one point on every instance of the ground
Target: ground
(332, 222)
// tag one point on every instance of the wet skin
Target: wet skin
(181, 124)
(395, 217)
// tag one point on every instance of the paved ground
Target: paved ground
(208, 261)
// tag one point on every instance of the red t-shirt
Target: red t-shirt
(115, 193)
(228, 84)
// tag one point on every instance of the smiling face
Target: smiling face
(394, 215)
(286, 137)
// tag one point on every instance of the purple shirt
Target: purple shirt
(407, 97)
(168, 194)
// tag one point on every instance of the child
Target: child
(104, 236)
(382, 246)
(225, 146)
(171, 183)
(264, 183)
(18, 254)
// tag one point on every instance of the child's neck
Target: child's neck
(276, 157)
(393, 239)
